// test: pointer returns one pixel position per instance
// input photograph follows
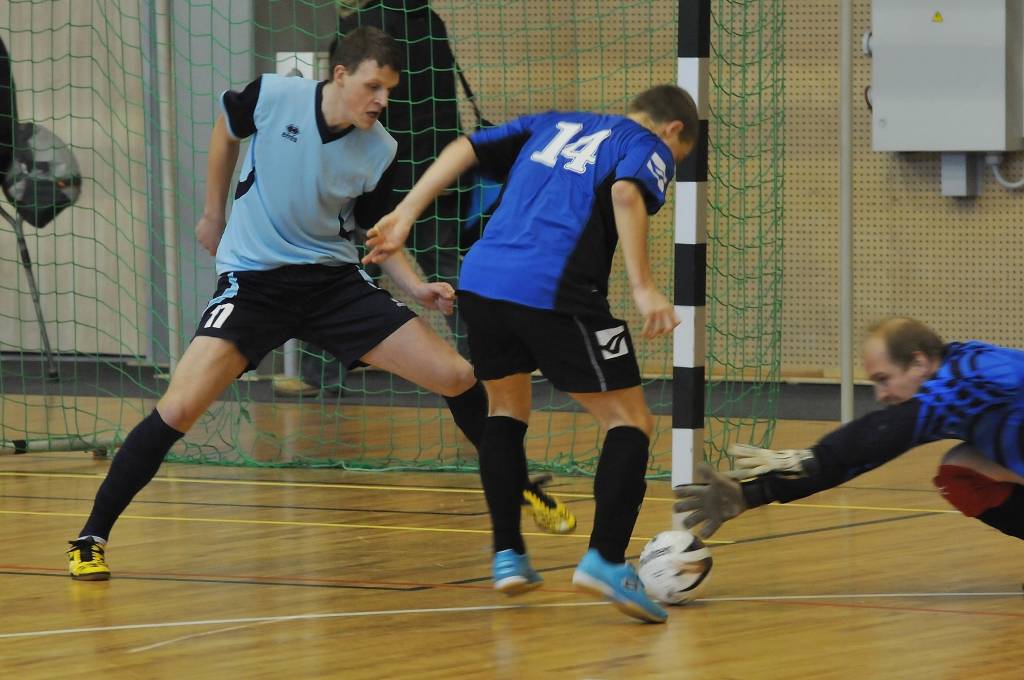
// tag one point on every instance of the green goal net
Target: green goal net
(745, 219)
(132, 88)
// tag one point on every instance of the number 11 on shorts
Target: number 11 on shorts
(219, 315)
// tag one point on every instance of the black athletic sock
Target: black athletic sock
(1008, 517)
(136, 462)
(619, 489)
(469, 410)
(503, 475)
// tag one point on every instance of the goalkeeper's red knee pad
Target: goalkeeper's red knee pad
(969, 491)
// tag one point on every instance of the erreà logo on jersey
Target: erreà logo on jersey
(291, 132)
(612, 342)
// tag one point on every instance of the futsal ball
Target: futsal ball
(674, 567)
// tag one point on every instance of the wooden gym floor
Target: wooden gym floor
(247, 573)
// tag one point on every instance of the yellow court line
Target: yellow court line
(330, 525)
(305, 485)
(864, 507)
(260, 482)
(431, 489)
(826, 506)
(264, 522)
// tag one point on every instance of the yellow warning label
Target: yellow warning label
(937, 18)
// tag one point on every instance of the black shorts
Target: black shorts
(337, 308)
(588, 353)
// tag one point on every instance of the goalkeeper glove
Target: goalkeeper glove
(753, 461)
(713, 503)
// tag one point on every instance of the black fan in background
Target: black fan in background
(40, 178)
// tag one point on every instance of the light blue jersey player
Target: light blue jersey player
(972, 391)
(303, 186)
(533, 294)
(316, 167)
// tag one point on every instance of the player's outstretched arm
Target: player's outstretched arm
(632, 225)
(784, 476)
(220, 165)
(388, 236)
(850, 450)
(846, 452)
(439, 296)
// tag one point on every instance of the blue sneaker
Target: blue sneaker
(513, 574)
(618, 583)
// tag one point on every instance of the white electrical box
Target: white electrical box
(946, 75)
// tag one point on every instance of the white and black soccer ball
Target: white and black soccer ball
(674, 567)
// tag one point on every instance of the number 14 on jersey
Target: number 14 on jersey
(581, 153)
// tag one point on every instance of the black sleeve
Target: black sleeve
(841, 455)
(496, 158)
(239, 109)
(8, 110)
(372, 206)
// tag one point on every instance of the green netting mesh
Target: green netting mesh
(745, 218)
(133, 89)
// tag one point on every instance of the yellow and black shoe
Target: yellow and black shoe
(550, 514)
(86, 562)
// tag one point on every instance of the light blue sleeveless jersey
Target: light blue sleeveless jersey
(299, 180)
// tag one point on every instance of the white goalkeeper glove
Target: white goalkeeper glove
(753, 461)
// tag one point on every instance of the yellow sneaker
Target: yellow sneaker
(550, 514)
(86, 562)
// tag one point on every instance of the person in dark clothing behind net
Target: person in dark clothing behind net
(423, 118)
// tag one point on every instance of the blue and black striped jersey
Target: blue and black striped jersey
(977, 396)
(550, 242)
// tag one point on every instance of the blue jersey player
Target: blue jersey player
(318, 165)
(971, 391)
(533, 294)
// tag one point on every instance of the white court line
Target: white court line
(197, 635)
(438, 610)
(294, 617)
(854, 596)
